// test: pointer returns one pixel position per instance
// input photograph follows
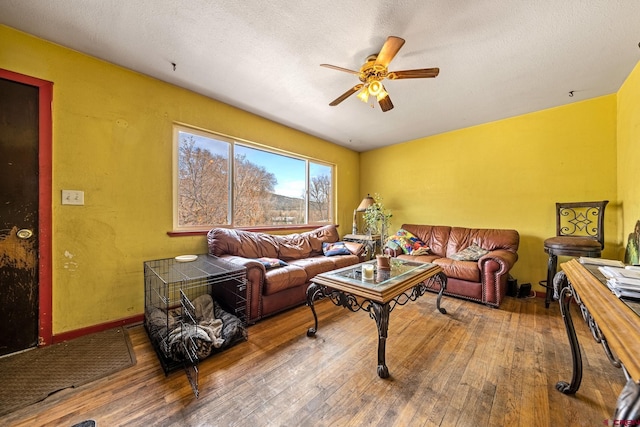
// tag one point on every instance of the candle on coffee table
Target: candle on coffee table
(367, 272)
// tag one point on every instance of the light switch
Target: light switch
(72, 197)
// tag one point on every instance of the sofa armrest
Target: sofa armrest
(355, 248)
(255, 283)
(494, 269)
(506, 259)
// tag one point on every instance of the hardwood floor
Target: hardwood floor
(473, 366)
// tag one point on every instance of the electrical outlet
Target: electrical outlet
(72, 197)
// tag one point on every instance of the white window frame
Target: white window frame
(178, 127)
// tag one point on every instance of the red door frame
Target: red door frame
(45, 301)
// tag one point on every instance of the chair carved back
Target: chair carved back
(581, 219)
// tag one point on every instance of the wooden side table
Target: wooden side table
(369, 241)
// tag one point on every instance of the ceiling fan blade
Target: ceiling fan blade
(385, 104)
(345, 95)
(389, 50)
(420, 73)
(334, 67)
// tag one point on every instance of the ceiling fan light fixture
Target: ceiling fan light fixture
(375, 87)
(364, 95)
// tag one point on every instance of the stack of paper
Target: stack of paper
(623, 281)
(601, 261)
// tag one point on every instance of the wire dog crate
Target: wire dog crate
(173, 290)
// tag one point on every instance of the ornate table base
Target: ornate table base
(628, 404)
(377, 311)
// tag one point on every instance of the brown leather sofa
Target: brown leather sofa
(272, 290)
(484, 280)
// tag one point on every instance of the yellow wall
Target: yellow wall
(112, 138)
(504, 174)
(629, 151)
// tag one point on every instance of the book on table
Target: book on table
(620, 273)
(622, 282)
(623, 292)
(601, 261)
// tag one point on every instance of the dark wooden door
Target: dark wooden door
(19, 136)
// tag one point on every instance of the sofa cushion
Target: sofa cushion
(225, 241)
(463, 270)
(344, 260)
(315, 265)
(279, 279)
(489, 239)
(328, 233)
(470, 253)
(293, 246)
(303, 245)
(336, 248)
(419, 258)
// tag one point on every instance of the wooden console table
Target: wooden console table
(613, 324)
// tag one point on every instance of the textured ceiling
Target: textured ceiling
(497, 58)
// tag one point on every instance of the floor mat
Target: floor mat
(33, 375)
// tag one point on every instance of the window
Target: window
(224, 182)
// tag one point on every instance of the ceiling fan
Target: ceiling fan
(375, 70)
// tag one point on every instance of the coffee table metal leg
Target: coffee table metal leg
(313, 292)
(442, 278)
(380, 313)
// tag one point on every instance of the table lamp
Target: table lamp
(364, 204)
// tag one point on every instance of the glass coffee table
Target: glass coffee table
(405, 281)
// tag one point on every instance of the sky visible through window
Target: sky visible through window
(287, 170)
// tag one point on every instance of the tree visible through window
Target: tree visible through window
(203, 181)
(320, 191)
(269, 189)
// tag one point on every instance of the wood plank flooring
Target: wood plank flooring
(473, 366)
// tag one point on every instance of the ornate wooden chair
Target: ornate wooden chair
(579, 233)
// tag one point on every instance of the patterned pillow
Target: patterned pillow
(270, 263)
(472, 253)
(408, 242)
(337, 248)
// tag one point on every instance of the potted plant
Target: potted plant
(377, 219)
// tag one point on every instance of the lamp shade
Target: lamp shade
(364, 94)
(375, 87)
(365, 203)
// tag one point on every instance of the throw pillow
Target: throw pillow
(471, 253)
(408, 242)
(270, 263)
(337, 248)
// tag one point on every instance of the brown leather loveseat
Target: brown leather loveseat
(272, 286)
(482, 279)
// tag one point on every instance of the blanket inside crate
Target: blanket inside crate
(215, 329)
